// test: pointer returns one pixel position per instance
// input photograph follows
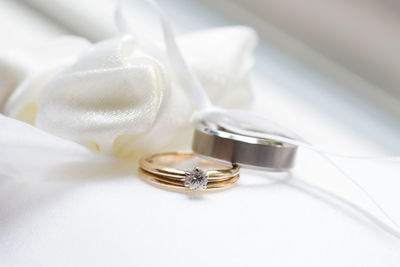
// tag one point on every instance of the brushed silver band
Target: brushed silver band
(216, 143)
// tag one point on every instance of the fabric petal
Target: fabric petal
(113, 97)
(17, 66)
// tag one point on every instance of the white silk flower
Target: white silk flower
(117, 98)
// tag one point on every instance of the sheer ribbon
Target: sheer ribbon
(231, 119)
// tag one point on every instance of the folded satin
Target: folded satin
(119, 98)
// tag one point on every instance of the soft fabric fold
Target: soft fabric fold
(120, 98)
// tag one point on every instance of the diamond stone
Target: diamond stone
(196, 179)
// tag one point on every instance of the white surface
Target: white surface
(268, 220)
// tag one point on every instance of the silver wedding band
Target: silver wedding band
(217, 143)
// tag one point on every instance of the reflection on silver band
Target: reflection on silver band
(217, 143)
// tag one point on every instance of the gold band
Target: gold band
(157, 169)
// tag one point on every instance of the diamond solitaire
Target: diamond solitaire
(159, 170)
(196, 179)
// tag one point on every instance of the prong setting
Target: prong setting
(196, 179)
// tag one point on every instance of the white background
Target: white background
(267, 220)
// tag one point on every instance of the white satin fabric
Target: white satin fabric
(117, 97)
(23, 72)
(30, 153)
(124, 97)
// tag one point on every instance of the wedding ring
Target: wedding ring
(215, 142)
(158, 170)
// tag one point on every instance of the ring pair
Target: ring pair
(223, 151)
